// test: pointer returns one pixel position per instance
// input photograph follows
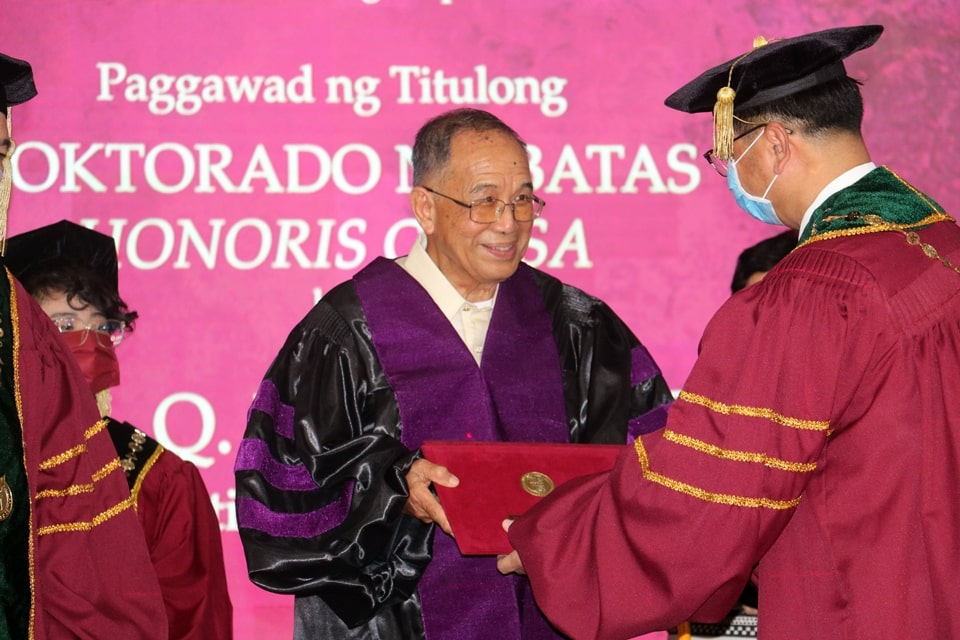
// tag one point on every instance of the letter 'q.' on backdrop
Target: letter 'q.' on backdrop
(248, 156)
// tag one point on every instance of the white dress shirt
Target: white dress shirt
(470, 319)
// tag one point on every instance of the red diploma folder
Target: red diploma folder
(499, 480)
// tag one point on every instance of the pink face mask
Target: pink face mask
(97, 362)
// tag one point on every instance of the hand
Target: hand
(510, 563)
(421, 503)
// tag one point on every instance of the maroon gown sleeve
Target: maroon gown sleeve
(183, 535)
(91, 572)
(675, 530)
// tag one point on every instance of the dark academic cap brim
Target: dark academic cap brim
(62, 244)
(16, 82)
(776, 70)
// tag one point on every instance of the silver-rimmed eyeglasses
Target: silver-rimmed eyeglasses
(110, 327)
(524, 207)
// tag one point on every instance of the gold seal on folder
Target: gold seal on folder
(536, 483)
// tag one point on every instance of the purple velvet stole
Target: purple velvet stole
(515, 395)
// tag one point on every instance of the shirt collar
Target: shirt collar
(844, 180)
(424, 270)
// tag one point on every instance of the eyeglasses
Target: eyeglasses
(112, 328)
(524, 207)
(720, 164)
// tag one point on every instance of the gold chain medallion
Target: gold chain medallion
(6, 499)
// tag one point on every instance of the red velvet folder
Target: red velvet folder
(499, 480)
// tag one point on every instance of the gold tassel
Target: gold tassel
(104, 401)
(723, 123)
(723, 110)
(6, 186)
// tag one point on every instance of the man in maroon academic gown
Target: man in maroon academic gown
(815, 441)
(73, 563)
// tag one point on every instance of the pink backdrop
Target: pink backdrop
(247, 156)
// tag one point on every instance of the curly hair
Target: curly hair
(82, 287)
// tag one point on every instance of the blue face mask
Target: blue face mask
(760, 208)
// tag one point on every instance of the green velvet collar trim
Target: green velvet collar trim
(880, 201)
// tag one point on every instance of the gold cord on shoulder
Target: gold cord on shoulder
(135, 492)
(876, 223)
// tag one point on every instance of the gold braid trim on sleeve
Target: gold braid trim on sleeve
(72, 452)
(72, 490)
(97, 520)
(78, 489)
(703, 494)
(737, 456)
(755, 412)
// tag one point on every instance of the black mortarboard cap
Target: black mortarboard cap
(772, 70)
(16, 82)
(62, 244)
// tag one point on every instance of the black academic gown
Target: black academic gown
(320, 472)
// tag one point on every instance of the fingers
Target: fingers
(425, 506)
(421, 502)
(510, 564)
(424, 472)
(434, 473)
